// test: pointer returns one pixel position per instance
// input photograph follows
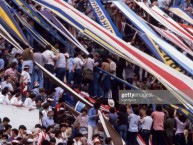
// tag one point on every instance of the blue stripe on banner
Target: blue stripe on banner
(78, 24)
(143, 35)
(151, 47)
(30, 12)
(103, 17)
(29, 29)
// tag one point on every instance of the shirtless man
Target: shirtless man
(105, 65)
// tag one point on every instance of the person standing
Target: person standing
(122, 122)
(146, 124)
(133, 120)
(28, 56)
(38, 74)
(78, 63)
(92, 122)
(158, 126)
(181, 123)
(49, 58)
(70, 70)
(60, 66)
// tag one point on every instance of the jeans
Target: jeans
(180, 139)
(123, 131)
(77, 76)
(38, 77)
(145, 134)
(47, 83)
(132, 138)
(69, 77)
(91, 131)
(60, 73)
(96, 85)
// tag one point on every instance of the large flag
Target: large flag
(50, 18)
(32, 14)
(182, 14)
(167, 75)
(103, 17)
(9, 23)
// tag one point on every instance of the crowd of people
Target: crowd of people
(23, 84)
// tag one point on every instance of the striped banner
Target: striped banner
(8, 37)
(103, 17)
(52, 20)
(32, 14)
(165, 20)
(174, 79)
(9, 23)
(33, 32)
(182, 14)
(173, 38)
(166, 47)
(188, 28)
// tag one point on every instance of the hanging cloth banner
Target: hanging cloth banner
(32, 14)
(50, 18)
(173, 78)
(173, 38)
(8, 37)
(103, 17)
(165, 20)
(182, 14)
(10, 24)
(166, 47)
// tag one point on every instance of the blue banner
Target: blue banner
(103, 17)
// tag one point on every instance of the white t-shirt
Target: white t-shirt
(147, 123)
(78, 62)
(15, 101)
(89, 64)
(29, 103)
(26, 76)
(5, 84)
(7, 100)
(113, 67)
(48, 57)
(2, 99)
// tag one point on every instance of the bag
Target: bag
(87, 75)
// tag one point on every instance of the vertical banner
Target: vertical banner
(103, 17)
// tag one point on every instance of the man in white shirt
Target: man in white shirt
(146, 123)
(3, 95)
(16, 100)
(49, 58)
(30, 102)
(78, 63)
(114, 86)
(25, 79)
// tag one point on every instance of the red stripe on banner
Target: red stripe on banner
(175, 26)
(176, 40)
(180, 85)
